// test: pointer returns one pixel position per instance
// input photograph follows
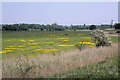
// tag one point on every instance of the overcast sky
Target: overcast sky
(65, 13)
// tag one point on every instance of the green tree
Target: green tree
(92, 27)
(117, 26)
(74, 28)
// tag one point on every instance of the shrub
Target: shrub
(100, 38)
(118, 31)
(80, 46)
(117, 26)
(92, 27)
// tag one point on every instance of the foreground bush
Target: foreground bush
(82, 45)
(100, 38)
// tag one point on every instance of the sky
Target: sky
(63, 13)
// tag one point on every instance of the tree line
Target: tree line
(48, 27)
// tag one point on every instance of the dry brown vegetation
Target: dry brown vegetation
(49, 64)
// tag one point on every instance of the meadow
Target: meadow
(52, 54)
(38, 43)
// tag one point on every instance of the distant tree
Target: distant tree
(74, 27)
(84, 25)
(117, 26)
(92, 27)
(54, 25)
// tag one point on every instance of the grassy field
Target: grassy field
(32, 43)
(52, 54)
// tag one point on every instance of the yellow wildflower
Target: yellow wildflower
(22, 40)
(86, 43)
(34, 46)
(6, 51)
(12, 46)
(32, 43)
(65, 40)
(31, 40)
(65, 45)
(21, 46)
(62, 38)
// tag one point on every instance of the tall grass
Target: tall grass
(47, 65)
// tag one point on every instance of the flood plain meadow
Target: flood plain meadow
(39, 43)
(37, 54)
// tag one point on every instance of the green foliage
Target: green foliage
(118, 31)
(74, 28)
(100, 38)
(117, 26)
(80, 46)
(32, 27)
(92, 27)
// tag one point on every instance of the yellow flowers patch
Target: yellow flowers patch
(33, 43)
(26, 41)
(31, 40)
(6, 51)
(21, 46)
(65, 40)
(87, 43)
(62, 38)
(65, 45)
(48, 44)
(22, 40)
(82, 45)
(12, 48)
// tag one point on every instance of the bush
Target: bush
(117, 26)
(118, 31)
(92, 27)
(100, 38)
(80, 46)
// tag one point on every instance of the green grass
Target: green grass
(10, 38)
(104, 69)
(115, 39)
(13, 39)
